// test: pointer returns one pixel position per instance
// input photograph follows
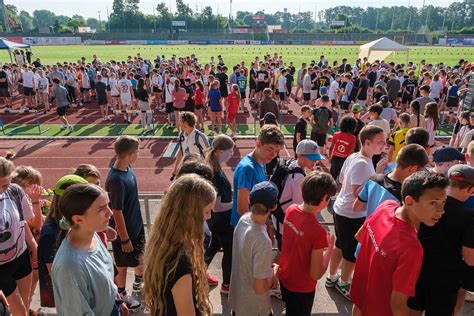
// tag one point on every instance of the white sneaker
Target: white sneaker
(133, 304)
(64, 126)
(70, 128)
(81, 104)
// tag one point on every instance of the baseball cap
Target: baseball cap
(446, 154)
(265, 193)
(356, 108)
(309, 149)
(67, 181)
(384, 99)
(462, 173)
(323, 90)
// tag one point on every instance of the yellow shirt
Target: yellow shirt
(397, 140)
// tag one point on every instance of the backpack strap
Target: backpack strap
(180, 142)
(292, 172)
(197, 143)
(17, 195)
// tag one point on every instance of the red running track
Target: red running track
(56, 158)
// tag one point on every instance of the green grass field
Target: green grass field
(235, 53)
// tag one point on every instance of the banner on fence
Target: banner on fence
(460, 41)
(240, 42)
(95, 42)
(16, 39)
(52, 40)
(240, 30)
(135, 42)
(157, 42)
(177, 42)
(255, 42)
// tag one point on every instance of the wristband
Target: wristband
(123, 242)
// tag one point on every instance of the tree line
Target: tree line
(458, 17)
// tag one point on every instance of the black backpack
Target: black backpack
(279, 177)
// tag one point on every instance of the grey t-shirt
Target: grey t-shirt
(251, 258)
(60, 96)
(83, 281)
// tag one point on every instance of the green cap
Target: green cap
(67, 181)
(356, 108)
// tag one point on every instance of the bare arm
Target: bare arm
(183, 296)
(179, 158)
(359, 206)
(243, 196)
(120, 223)
(320, 259)
(390, 152)
(468, 255)
(398, 302)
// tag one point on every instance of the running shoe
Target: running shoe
(211, 280)
(276, 292)
(70, 128)
(133, 304)
(343, 289)
(330, 282)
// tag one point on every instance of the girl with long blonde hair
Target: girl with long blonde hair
(174, 258)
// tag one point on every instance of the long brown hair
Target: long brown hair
(178, 231)
(431, 111)
(220, 142)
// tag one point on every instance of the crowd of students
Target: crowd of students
(402, 203)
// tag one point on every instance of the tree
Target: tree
(183, 11)
(118, 8)
(26, 21)
(93, 23)
(132, 6)
(43, 18)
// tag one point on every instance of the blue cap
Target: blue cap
(323, 90)
(265, 193)
(447, 154)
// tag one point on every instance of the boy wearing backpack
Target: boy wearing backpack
(191, 140)
(288, 176)
(322, 122)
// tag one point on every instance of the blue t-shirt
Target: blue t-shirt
(123, 195)
(470, 202)
(242, 83)
(377, 189)
(91, 75)
(247, 174)
(83, 281)
(214, 97)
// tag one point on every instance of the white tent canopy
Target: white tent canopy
(380, 49)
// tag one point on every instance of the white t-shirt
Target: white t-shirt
(188, 143)
(356, 170)
(28, 79)
(332, 90)
(468, 137)
(85, 81)
(282, 84)
(157, 81)
(168, 88)
(43, 84)
(114, 90)
(382, 123)
(125, 88)
(12, 223)
(435, 89)
(307, 83)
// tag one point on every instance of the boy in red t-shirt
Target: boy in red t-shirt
(343, 144)
(303, 260)
(390, 257)
(233, 102)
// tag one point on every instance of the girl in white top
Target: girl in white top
(436, 87)
(432, 121)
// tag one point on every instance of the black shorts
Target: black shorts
(84, 89)
(435, 293)
(452, 102)
(199, 106)
(169, 107)
(4, 93)
(27, 91)
(92, 85)
(282, 96)
(261, 87)
(13, 271)
(130, 259)
(102, 101)
(61, 110)
(336, 166)
(319, 138)
(224, 93)
(346, 228)
(306, 96)
(297, 303)
(406, 98)
(242, 95)
(156, 89)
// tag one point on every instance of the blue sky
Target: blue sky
(90, 8)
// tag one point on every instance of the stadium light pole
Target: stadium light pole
(100, 27)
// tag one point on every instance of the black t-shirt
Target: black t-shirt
(142, 95)
(443, 242)
(46, 252)
(364, 86)
(252, 83)
(183, 268)
(220, 221)
(410, 86)
(3, 75)
(372, 76)
(189, 90)
(359, 127)
(222, 77)
(300, 127)
(37, 64)
(261, 77)
(315, 83)
(101, 89)
(323, 81)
